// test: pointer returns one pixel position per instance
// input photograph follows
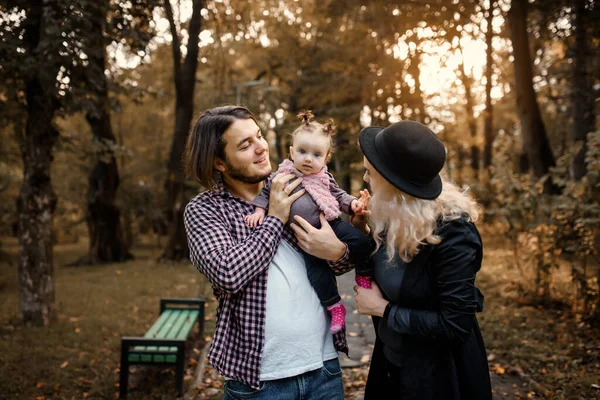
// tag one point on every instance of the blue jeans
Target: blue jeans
(321, 384)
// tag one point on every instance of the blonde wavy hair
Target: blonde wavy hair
(407, 223)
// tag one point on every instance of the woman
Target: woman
(427, 252)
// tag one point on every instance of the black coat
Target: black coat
(438, 347)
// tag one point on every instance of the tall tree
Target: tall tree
(36, 70)
(414, 99)
(184, 75)
(46, 69)
(488, 128)
(129, 25)
(533, 130)
(582, 94)
(103, 215)
(467, 81)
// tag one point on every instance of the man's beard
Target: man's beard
(241, 174)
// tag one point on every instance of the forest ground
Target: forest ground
(534, 351)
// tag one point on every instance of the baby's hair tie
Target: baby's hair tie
(306, 116)
(329, 128)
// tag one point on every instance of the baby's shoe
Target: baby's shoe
(338, 317)
(363, 281)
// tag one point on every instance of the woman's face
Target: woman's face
(368, 176)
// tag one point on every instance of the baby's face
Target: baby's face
(309, 152)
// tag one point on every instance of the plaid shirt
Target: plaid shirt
(235, 259)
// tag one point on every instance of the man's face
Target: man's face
(246, 153)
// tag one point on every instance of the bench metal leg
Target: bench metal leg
(179, 370)
(124, 370)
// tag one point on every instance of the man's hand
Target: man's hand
(280, 198)
(321, 243)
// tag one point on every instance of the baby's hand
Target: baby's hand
(357, 206)
(361, 211)
(362, 202)
(255, 218)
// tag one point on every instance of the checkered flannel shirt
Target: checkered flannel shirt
(235, 259)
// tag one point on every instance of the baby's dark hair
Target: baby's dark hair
(309, 125)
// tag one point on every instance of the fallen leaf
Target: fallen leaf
(499, 370)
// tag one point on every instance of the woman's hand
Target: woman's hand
(321, 243)
(370, 301)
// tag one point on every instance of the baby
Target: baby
(310, 152)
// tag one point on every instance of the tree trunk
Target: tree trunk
(37, 201)
(488, 130)
(461, 154)
(582, 92)
(185, 79)
(415, 101)
(535, 139)
(103, 216)
(468, 83)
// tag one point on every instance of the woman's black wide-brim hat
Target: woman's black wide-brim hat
(408, 155)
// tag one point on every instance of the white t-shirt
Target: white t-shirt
(297, 337)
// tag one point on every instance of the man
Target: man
(271, 338)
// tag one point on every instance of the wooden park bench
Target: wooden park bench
(164, 343)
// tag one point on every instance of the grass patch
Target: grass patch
(78, 356)
(552, 350)
(550, 347)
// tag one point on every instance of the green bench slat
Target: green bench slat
(159, 323)
(171, 324)
(159, 333)
(188, 324)
(170, 333)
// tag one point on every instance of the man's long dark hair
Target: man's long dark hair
(205, 142)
